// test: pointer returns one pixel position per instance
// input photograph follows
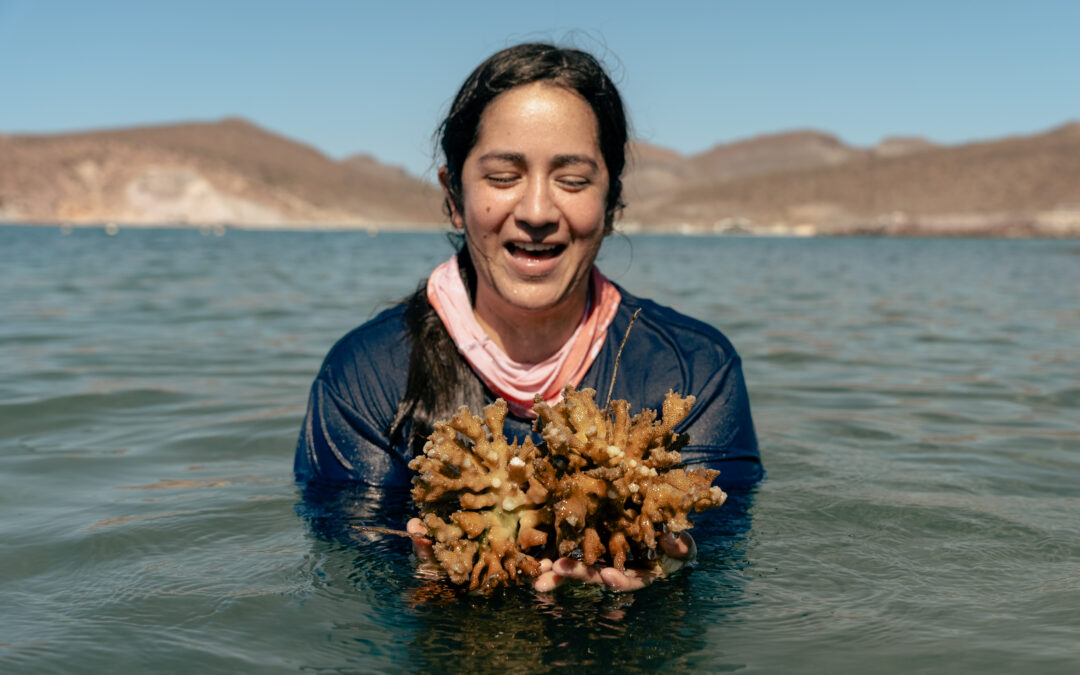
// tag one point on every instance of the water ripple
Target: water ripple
(916, 402)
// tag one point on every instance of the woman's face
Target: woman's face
(534, 189)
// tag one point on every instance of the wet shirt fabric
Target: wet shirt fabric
(355, 396)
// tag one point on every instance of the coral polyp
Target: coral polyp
(602, 485)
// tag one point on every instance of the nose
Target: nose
(537, 207)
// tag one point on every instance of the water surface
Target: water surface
(917, 403)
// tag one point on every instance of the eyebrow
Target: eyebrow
(558, 162)
(512, 157)
(567, 160)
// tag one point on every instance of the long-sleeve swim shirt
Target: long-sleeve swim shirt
(345, 435)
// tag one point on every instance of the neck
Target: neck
(529, 336)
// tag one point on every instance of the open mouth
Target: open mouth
(535, 251)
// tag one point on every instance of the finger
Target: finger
(667, 565)
(681, 546)
(548, 581)
(628, 580)
(421, 544)
(578, 571)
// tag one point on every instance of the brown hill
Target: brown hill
(369, 166)
(1015, 186)
(895, 146)
(656, 171)
(653, 171)
(234, 172)
(229, 171)
(773, 153)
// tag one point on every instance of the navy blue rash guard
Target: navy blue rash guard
(356, 394)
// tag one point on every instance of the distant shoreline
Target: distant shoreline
(232, 174)
(798, 232)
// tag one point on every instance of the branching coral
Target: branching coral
(618, 484)
(604, 484)
(482, 499)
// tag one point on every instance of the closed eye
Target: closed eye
(574, 183)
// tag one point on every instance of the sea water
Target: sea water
(917, 404)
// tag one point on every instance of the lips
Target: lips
(534, 251)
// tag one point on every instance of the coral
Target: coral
(601, 483)
(481, 499)
(619, 485)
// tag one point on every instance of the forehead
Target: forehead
(539, 112)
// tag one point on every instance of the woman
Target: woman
(534, 147)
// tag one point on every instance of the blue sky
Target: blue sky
(375, 77)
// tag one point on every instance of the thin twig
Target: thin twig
(618, 355)
(382, 530)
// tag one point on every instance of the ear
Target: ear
(455, 216)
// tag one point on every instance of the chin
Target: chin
(537, 304)
(538, 293)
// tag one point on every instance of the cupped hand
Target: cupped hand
(675, 552)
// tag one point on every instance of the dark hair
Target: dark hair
(524, 64)
(439, 379)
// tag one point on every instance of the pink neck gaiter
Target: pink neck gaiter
(516, 382)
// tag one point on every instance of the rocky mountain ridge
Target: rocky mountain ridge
(795, 182)
(230, 171)
(811, 183)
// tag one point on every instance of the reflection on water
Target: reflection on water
(917, 404)
(517, 629)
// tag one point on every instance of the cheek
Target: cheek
(487, 213)
(589, 221)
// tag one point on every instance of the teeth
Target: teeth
(533, 247)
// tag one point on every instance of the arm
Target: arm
(340, 444)
(721, 430)
(353, 399)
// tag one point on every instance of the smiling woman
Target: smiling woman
(534, 186)
(534, 148)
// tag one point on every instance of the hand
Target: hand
(421, 544)
(675, 552)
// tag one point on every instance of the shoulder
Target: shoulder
(667, 350)
(665, 339)
(374, 354)
(669, 321)
(352, 405)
